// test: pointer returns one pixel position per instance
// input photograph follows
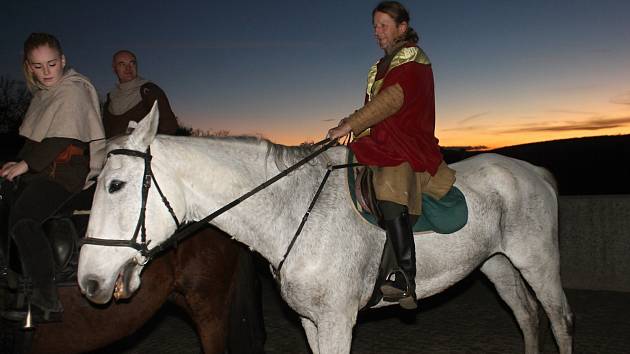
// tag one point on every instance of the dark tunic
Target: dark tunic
(150, 92)
(49, 159)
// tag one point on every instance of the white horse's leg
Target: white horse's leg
(510, 286)
(335, 333)
(311, 334)
(542, 273)
(545, 281)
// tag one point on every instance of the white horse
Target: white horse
(331, 271)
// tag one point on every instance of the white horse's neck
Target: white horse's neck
(216, 171)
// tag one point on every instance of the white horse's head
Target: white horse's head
(105, 260)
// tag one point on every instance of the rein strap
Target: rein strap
(197, 225)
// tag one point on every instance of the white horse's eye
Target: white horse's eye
(115, 186)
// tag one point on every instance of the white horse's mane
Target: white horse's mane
(283, 156)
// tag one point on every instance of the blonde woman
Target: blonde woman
(64, 140)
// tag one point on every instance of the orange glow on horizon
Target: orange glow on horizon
(495, 133)
(499, 141)
(490, 134)
(461, 140)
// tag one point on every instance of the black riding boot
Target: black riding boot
(38, 270)
(403, 288)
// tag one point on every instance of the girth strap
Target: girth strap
(308, 211)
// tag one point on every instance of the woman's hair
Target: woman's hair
(36, 40)
(400, 14)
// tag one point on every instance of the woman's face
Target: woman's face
(386, 30)
(46, 64)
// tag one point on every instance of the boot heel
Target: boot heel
(408, 303)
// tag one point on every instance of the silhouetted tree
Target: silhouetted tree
(14, 101)
(183, 130)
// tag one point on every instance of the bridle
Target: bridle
(186, 230)
(148, 176)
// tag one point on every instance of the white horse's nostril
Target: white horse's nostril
(90, 287)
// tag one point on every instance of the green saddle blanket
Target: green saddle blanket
(443, 216)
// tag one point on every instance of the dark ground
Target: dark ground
(468, 318)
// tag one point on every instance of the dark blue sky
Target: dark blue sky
(506, 71)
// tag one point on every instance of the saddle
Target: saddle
(365, 195)
(63, 237)
(443, 216)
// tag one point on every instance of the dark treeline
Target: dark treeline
(14, 101)
(581, 166)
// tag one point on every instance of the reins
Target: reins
(197, 225)
(191, 228)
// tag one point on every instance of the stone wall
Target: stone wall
(594, 239)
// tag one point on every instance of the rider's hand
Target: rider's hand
(341, 130)
(10, 170)
(6, 167)
(342, 121)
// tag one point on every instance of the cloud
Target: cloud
(473, 117)
(466, 148)
(468, 128)
(582, 88)
(591, 124)
(568, 111)
(623, 98)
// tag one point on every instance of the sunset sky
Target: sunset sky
(506, 72)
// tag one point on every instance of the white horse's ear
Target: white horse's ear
(132, 125)
(145, 131)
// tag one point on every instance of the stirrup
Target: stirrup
(391, 292)
(404, 297)
(37, 314)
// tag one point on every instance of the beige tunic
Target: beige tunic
(69, 109)
(400, 184)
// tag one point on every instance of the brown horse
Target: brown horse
(200, 276)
